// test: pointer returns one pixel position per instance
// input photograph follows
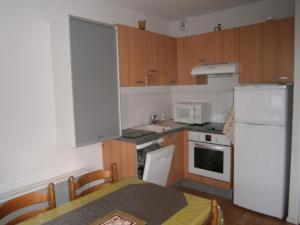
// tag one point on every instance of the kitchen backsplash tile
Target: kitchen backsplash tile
(139, 103)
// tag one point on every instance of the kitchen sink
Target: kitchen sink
(154, 128)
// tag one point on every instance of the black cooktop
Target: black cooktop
(216, 128)
(132, 133)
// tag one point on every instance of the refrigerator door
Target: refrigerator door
(259, 168)
(260, 104)
(158, 164)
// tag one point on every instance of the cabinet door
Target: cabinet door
(200, 54)
(137, 57)
(200, 49)
(230, 45)
(186, 61)
(215, 48)
(278, 51)
(176, 170)
(251, 53)
(171, 61)
(123, 55)
(123, 154)
(151, 40)
(157, 60)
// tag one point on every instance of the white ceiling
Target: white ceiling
(173, 10)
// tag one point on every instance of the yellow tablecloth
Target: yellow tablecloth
(195, 213)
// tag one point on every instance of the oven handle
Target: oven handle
(209, 146)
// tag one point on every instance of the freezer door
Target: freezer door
(260, 104)
(259, 168)
(158, 165)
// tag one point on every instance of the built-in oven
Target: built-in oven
(210, 155)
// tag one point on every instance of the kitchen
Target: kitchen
(159, 99)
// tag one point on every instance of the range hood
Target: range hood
(216, 69)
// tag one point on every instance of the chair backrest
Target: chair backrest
(109, 177)
(28, 200)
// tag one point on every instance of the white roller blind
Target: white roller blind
(95, 81)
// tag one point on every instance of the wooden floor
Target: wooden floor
(234, 215)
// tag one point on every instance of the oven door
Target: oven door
(210, 160)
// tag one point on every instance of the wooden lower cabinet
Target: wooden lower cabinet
(176, 170)
(122, 153)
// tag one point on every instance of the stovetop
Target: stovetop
(214, 128)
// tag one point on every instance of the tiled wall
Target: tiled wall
(138, 104)
(219, 92)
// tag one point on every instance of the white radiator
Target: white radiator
(60, 182)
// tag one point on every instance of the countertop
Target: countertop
(153, 136)
(175, 126)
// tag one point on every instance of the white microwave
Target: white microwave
(188, 112)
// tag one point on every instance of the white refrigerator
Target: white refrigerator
(262, 142)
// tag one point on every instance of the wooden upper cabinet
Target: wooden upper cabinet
(251, 53)
(278, 51)
(230, 45)
(123, 54)
(215, 47)
(200, 49)
(142, 57)
(156, 59)
(137, 57)
(266, 52)
(171, 61)
(185, 60)
(152, 40)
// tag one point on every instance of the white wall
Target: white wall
(28, 148)
(238, 16)
(294, 198)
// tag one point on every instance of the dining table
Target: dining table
(133, 199)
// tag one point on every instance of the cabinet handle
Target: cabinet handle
(140, 82)
(172, 82)
(280, 78)
(202, 60)
(153, 71)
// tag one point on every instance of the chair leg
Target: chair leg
(214, 212)
(114, 169)
(72, 189)
(51, 196)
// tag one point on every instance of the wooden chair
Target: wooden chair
(214, 212)
(109, 176)
(28, 200)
